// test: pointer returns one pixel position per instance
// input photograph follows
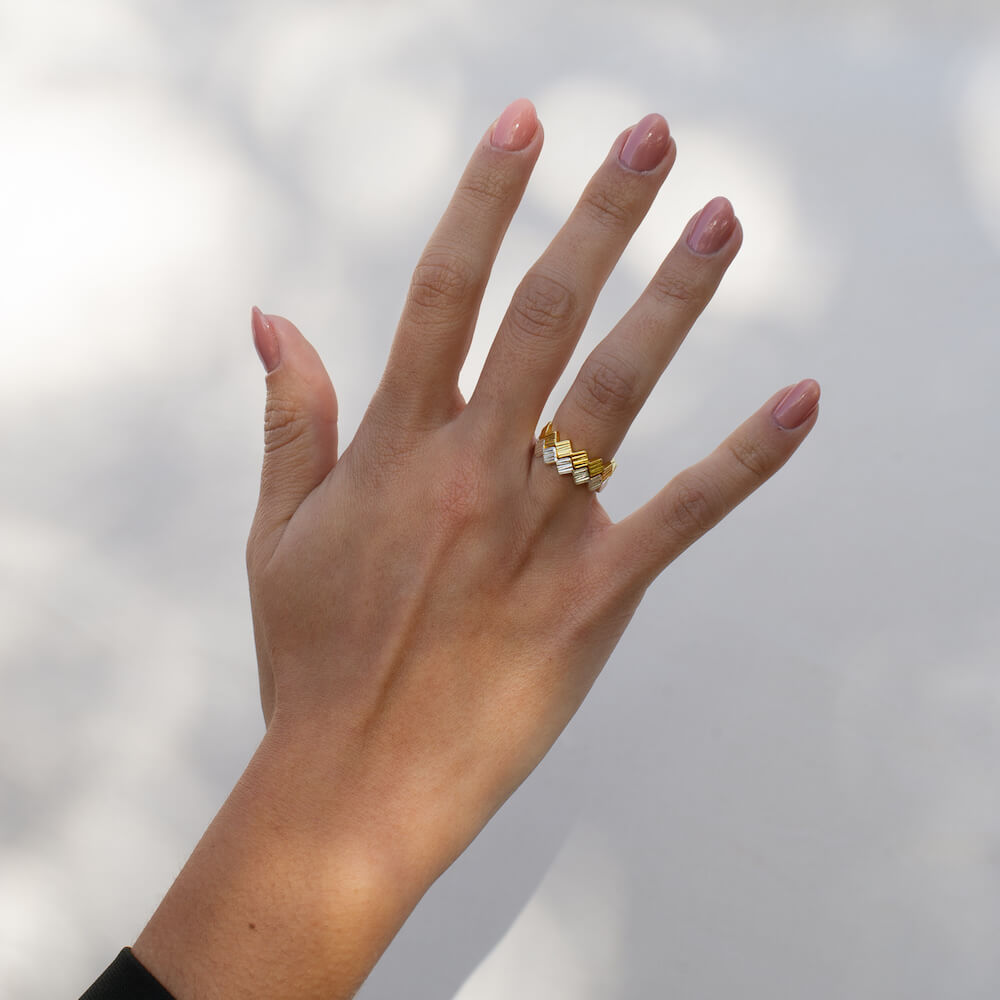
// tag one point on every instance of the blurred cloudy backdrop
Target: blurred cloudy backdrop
(786, 782)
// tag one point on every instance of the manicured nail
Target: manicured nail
(714, 226)
(797, 405)
(516, 127)
(647, 144)
(265, 339)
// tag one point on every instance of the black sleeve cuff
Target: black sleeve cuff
(126, 978)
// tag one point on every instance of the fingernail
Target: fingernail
(516, 127)
(647, 144)
(713, 227)
(797, 405)
(265, 339)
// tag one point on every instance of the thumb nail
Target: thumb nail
(265, 339)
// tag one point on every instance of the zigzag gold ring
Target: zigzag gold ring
(586, 471)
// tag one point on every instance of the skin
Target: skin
(431, 607)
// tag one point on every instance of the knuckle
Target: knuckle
(460, 499)
(258, 553)
(750, 457)
(674, 288)
(692, 509)
(607, 208)
(283, 424)
(485, 188)
(543, 308)
(459, 496)
(442, 283)
(387, 442)
(608, 383)
(251, 551)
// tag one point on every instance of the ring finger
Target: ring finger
(622, 370)
(551, 306)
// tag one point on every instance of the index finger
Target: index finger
(439, 317)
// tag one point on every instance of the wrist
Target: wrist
(402, 807)
(321, 791)
(296, 888)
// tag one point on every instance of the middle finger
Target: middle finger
(552, 304)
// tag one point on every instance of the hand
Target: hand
(431, 608)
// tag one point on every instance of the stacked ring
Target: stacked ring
(586, 471)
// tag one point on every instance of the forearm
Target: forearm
(295, 890)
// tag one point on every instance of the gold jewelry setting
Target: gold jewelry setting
(586, 471)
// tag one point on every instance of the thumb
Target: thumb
(300, 425)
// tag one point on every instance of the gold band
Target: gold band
(586, 471)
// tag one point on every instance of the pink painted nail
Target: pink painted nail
(265, 339)
(516, 127)
(797, 405)
(647, 144)
(713, 228)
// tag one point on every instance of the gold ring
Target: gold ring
(586, 471)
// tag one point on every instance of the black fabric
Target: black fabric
(126, 978)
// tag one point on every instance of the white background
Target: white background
(785, 784)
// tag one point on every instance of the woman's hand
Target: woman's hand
(432, 607)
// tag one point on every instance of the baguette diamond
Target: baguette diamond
(586, 471)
